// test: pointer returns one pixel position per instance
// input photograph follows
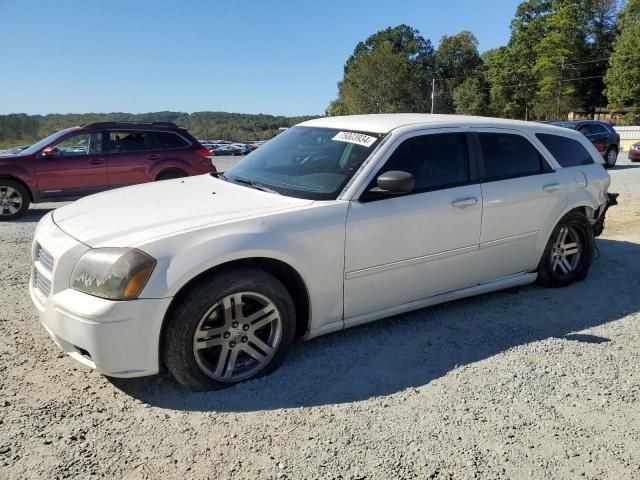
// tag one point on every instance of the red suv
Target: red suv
(79, 161)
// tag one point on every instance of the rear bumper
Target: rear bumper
(598, 226)
(119, 339)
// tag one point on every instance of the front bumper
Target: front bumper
(117, 338)
(634, 155)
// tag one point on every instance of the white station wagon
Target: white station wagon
(335, 222)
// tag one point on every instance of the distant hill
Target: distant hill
(22, 129)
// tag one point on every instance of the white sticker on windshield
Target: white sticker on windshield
(353, 137)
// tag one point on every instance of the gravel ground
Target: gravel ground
(528, 382)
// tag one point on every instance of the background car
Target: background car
(634, 152)
(79, 161)
(601, 134)
(226, 150)
(243, 148)
(13, 150)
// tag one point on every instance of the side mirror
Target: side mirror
(50, 152)
(394, 183)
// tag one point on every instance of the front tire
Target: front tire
(232, 326)
(569, 251)
(14, 200)
(611, 157)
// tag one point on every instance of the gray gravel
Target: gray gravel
(625, 176)
(524, 383)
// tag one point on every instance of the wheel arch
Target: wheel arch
(289, 276)
(582, 208)
(170, 169)
(21, 182)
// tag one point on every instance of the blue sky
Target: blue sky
(278, 57)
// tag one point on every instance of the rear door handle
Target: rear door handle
(464, 202)
(552, 187)
(153, 156)
(96, 161)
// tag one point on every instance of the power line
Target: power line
(559, 65)
(540, 83)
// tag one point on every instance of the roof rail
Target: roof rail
(131, 124)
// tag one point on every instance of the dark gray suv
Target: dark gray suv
(601, 134)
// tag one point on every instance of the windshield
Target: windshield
(44, 142)
(306, 162)
(570, 125)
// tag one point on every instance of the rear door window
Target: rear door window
(508, 155)
(598, 128)
(131, 141)
(567, 152)
(587, 129)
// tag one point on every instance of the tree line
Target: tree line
(16, 129)
(562, 55)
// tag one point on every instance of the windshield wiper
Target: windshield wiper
(254, 185)
(219, 175)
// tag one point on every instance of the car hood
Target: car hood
(133, 215)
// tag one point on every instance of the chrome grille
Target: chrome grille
(42, 283)
(43, 270)
(45, 258)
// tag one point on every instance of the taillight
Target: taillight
(203, 152)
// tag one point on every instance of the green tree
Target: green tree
(622, 79)
(559, 46)
(508, 70)
(471, 97)
(457, 57)
(390, 71)
(382, 81)
(599, 33)
(16, 129)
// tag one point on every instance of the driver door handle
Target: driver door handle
(96, 161)
(153, 156)
(464, 202)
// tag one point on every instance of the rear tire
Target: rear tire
(14, 200)
(170, 174)
(611, 157)
(245, 314)
(569, 251)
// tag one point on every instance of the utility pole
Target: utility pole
(433, 92)
(559, 90)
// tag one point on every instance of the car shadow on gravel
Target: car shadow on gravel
(624, 167)
(411, 350)
(34, 214)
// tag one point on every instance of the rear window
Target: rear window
(567, 152)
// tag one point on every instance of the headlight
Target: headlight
(112, 273)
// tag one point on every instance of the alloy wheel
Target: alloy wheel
(566, 251)
(237, 337)
(10, 200)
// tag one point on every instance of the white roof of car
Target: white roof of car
(384, 123)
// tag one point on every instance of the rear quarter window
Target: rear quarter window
(171, 140)
(566, 151)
